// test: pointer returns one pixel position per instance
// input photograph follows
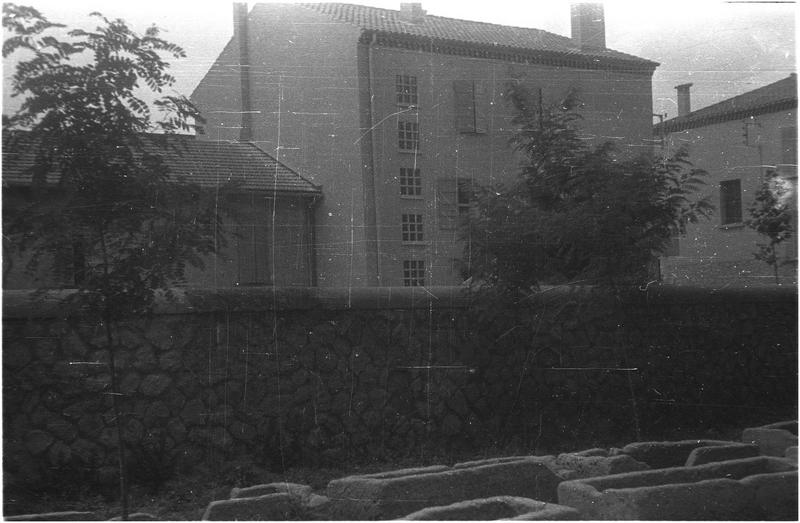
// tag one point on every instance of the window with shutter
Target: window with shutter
(789, 145)
(251, 253)
(447, 202)
(730, 201)
(470, 106)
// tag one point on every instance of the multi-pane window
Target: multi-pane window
(408, 134)
(410, 182)
(414, 273)
(406, 87)
(730, 201)
(412, 228)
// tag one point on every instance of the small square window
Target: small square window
(414, 273)
(412, 228)
(408, 135)
(406, 87)
(730, 201)
(410, 182)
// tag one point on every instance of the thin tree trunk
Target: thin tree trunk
(123, 466)
(115, 393)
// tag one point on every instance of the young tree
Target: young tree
(576, 212)
(771, 216)
(112, 216)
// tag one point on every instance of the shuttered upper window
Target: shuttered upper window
(789, 145)
(730, 201)
(470, 106)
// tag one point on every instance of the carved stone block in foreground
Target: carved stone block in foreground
(279, 506)
(772, 439)
(703, 455)
(663, 454)
(498, 507)
(753, 488)
(400, 492)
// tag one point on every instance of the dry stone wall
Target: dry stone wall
(317, 380)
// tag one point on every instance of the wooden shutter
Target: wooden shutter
(730, 195)
(447, 203)
(464, 106)
(789, 145)
(481, 102)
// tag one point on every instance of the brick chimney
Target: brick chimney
(240, 35)
(684, 99)
(412, 13)
(588, 26)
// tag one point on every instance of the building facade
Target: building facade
(267, 213)
(737, 141)
(395, 111)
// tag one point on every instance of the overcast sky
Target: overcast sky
(723, 48)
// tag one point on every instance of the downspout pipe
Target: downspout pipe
(240, 34)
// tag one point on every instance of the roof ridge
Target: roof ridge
(282, 164)
(727, 101)
(309, 4)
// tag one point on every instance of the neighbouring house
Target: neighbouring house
(397, 112)
(737, 141)
(270, 241)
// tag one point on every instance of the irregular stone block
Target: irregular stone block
(702, 455)
(791, 453)
(575, 466)
(54, 516)
(302, 492)
(772, 439)
(37, 441)
(714, 491)
(497, 507)
(393, 494)
(279, 506)
(662, 454)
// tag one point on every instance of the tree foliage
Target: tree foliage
(771, 216)
(103, 207)
(576, 212)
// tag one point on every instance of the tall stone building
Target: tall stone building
(395, 111)
(737, 141)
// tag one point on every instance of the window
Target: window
(412, 228)
(410, 182)
(414, 273)
(464, 196)
(406, 87)
(408, 134)
(470, 100)
(730, 201)
(789, 145)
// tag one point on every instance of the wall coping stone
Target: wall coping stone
(26, 304)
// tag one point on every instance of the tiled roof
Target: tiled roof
(774, 97)
(206, 163)
(453, 30)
